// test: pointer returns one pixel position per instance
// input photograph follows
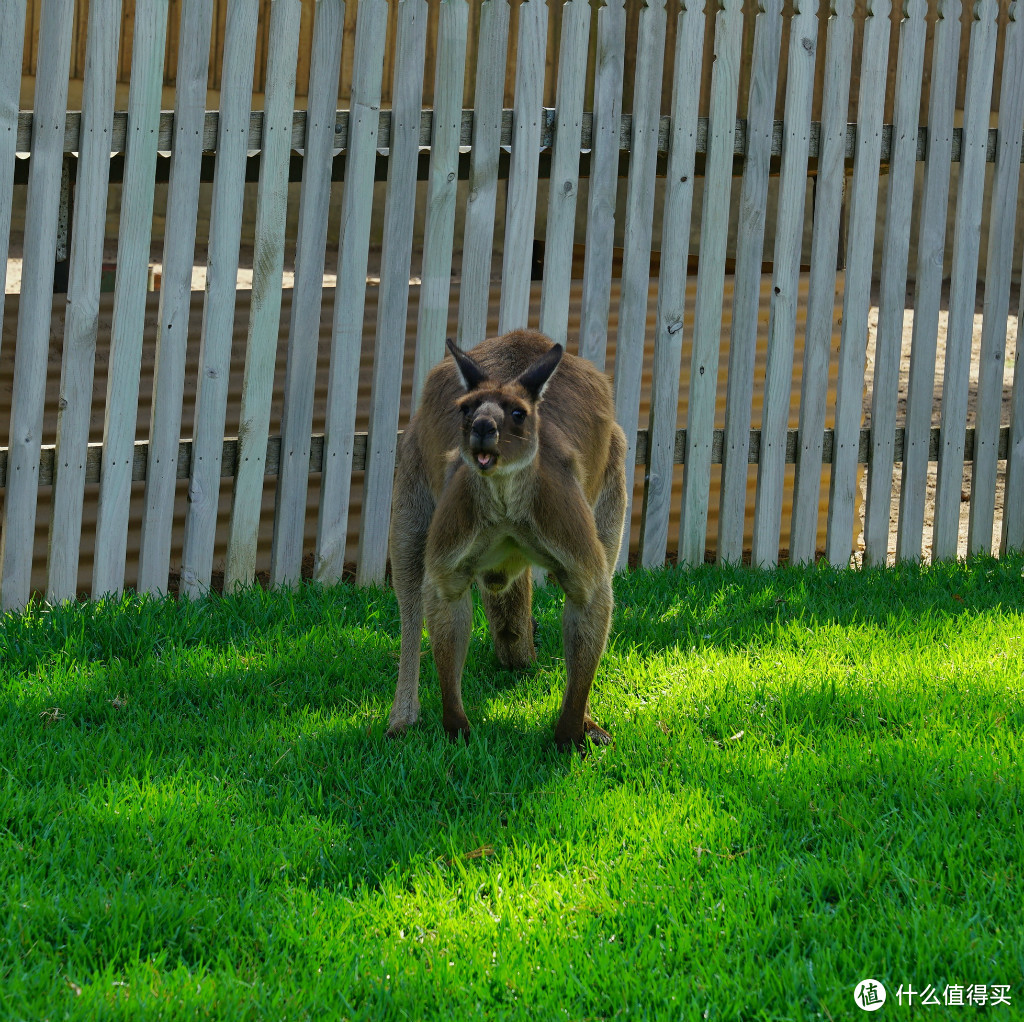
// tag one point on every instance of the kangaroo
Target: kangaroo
(513, 458)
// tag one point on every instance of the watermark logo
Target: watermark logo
(869, 994)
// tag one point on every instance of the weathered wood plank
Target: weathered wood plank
(964, 279)
(636, 242)
(828, 200)
(675, 250)
(307, 301)
(439, 229)
(893, 282)
(764, 75)
(349, 304)
(931, 247)
(219, 307)
(1002, 220)
(478, 241)
(81, 320)
(133, 247)
(857, 293)
(33, 334)
(603, 182)
(710, 281)
(803, 45)
(12, 36)
(521, 211)
(399, 215)
(565, 168)
(265, 307)
(175, 293)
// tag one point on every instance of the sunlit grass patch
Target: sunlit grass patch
(815, 779)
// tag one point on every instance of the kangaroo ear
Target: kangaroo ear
(472, 374)
(534, 379)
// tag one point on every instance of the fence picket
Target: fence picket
(710, 281)
(675, 250)
(521, 212)
(764, 75)
(931, 246)
(307, 298)
(33, 335)
(439, 230)
(563, 184)
(999, 264)
(394, 290)
(603, 182)
(350, 296)
(81, 320)
(771, 470)
(12, 38)
(963, 280)
(478, 241)
(857, 293)
(636, 241)
(893, 282)
(821, 288)
(195, 28)
(265, 309)
(219, 308)
(133, 247)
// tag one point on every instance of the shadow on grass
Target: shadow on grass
(270, 709)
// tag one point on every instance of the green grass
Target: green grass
(816, 778)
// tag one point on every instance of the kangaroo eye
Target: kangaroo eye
(518, 416)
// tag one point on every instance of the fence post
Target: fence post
(675, 251)
(931, 248)
(710, 282)
(764, 75)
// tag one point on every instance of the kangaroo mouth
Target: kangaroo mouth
(485, 460)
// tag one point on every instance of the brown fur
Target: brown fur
(554, 497)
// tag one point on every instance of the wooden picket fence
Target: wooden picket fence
(847, 146)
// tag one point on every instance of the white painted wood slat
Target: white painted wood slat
(128, 326)
(350, 298)
(675, 250)
(393, 305)
(602, 184)
(219, 307)
(893, 282)
(81, 320)
(265, 308)
(521, 212)
(931, 247)
(857, 293)
(478, 241)
(1002, 220)
(710, 281)
(12, 36)
(828, 199)
(764, 75)
(307, 299)
(963, 280)
(636, 242)
(33, 335)
(803, 46)
(439, 229)
(563, 184)
(175, 293)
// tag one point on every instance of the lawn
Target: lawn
(816, 778)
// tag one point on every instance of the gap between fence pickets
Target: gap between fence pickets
(72, 131)
(316, 445)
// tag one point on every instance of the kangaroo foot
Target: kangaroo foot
(456, 726)
(578, 737)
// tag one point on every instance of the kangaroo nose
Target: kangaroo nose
(485, 429)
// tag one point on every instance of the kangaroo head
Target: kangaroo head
(499, 420)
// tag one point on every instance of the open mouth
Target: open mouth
(486, 460)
